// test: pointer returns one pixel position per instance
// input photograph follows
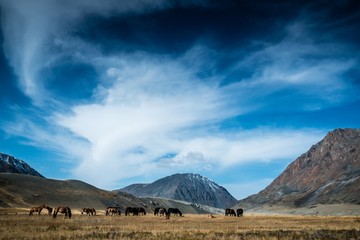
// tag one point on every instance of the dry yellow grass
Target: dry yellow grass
(21, 226)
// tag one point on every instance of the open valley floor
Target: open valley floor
(16, 224)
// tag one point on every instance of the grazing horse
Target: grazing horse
(156, 211)
(141, 211)
(88, 211)
(240, 212)
(36, 209)
(230, 212)
(133, 210)
(112, 211)
(49, 210)
(174, 211)
(65, 210)
(162, 212)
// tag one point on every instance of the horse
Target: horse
(88, 211)
(162, 212)
(133, 210)
(174, 211)
(156, 211)
(36, 209)
(230, 212)
(239, 212)
(112, 211)
(49, 210)
(141, 211)
(65, 210)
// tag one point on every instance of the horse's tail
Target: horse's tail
(69, 211)
(49, 210)
(55, 212)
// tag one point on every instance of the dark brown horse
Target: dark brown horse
(36, 209)
(88, 211)
(132, 210)
(156, 211)
(65, 210)
(230, 212)
(163, 212)
(174, 211)
(160, 211)
(239, 212)
(141, 211)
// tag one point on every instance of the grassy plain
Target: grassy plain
(21, 226)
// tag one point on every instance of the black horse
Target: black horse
(156, 211)
(230, 212)
(163, 212)
(239, 212)
(141, 211)
(132, 210)
(174, 211)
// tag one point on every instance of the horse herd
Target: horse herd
(134, 211)
(55, 211)
(231, 212)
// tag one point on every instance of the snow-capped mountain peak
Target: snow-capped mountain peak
(188, 187)
(10, 164)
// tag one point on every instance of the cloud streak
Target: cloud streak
(33, 28)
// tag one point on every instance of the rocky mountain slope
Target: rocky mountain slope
(328, 173)
(19, 190)
(188, 187)
(10, 164)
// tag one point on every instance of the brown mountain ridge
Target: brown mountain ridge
(329, 173)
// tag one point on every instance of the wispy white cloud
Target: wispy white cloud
(33, 29)
(314, 70)
(154, 109)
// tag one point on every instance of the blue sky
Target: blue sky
(120, 92)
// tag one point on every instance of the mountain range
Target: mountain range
(23, 191)
(188, 187)
(328, 173)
